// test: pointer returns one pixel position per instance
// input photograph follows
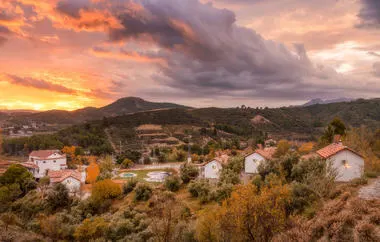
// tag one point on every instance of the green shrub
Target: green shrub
(143, 192)
(127, 163)
(129, 186)
(222, 192)
(172, 183)
(257, 181)
(359, 181)
(371, 174)
(200, 189)
(58, 197)
(188, 173)
(302, 198)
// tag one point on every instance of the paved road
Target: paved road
(371, 191)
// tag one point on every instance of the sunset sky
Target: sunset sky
(70, 54)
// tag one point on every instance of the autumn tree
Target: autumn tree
(106, 166)
(283, 147)
(250, 215)
(93, 170)
(91, 229)
(306, 148)
(105, 189)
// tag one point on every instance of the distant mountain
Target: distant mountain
(122, 106)
(326, 101)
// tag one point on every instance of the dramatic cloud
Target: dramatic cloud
(39, 84)
(370, 14)
(2, 40)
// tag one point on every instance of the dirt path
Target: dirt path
(370, 191)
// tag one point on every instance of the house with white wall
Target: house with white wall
(42, 161)
(254, 159)
(70, 178)
(348, 163)
(210, 169)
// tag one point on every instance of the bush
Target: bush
(359, 181)
(172, 183)
(302, 197)
(105, 189)
(367, 232)
(222, 192)
(188, 173)
(129, 186)
(371, 174)
(200, 189)
(375, 219)
(127, 163)
(91, 229)
(58, 197)
(143, 192)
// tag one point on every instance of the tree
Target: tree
(305, 148)
(252, 215)
(17, 174)
(106, 167)
(283, 147)
(335, 127)
(127, 163)
(105, 189)
(188, 173)
(91, 229)
(172, 183)
(143, 192)
(93, 171)
(58, 197)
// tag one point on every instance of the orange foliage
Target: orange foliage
(93, 170)
(306, 148)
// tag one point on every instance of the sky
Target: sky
(70, 54)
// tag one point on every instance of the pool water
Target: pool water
(128, 175)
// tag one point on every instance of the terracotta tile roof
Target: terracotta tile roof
(334, 148)
(29, 164)
(267, 153)
(59, 176)
(44, 153)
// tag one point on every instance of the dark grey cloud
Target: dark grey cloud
(208, 54)
(72, 7)
(370, 14)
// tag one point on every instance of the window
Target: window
(54, 161)
(44, 162)
(214, 167)
(345, 164)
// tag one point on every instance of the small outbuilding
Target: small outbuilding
(253, 160)
(348, 163)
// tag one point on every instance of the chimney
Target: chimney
(337, 139)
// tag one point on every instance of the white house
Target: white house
(348, 163)
(42, 161)
(253, 160)
(211, 169)
(70, 178)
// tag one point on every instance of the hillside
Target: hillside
(122, 106)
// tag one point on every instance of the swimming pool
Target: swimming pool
(128, 175)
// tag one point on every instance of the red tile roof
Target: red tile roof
(44, 153)
(333, 149)
(267, 153)
(29, 164)
(59, 176)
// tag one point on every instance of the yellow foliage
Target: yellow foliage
(91, 229)
(105, 189)
(306, 148)
(248, 215)
(93, 171)
(283, 147)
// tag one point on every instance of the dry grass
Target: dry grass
(346, 218)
